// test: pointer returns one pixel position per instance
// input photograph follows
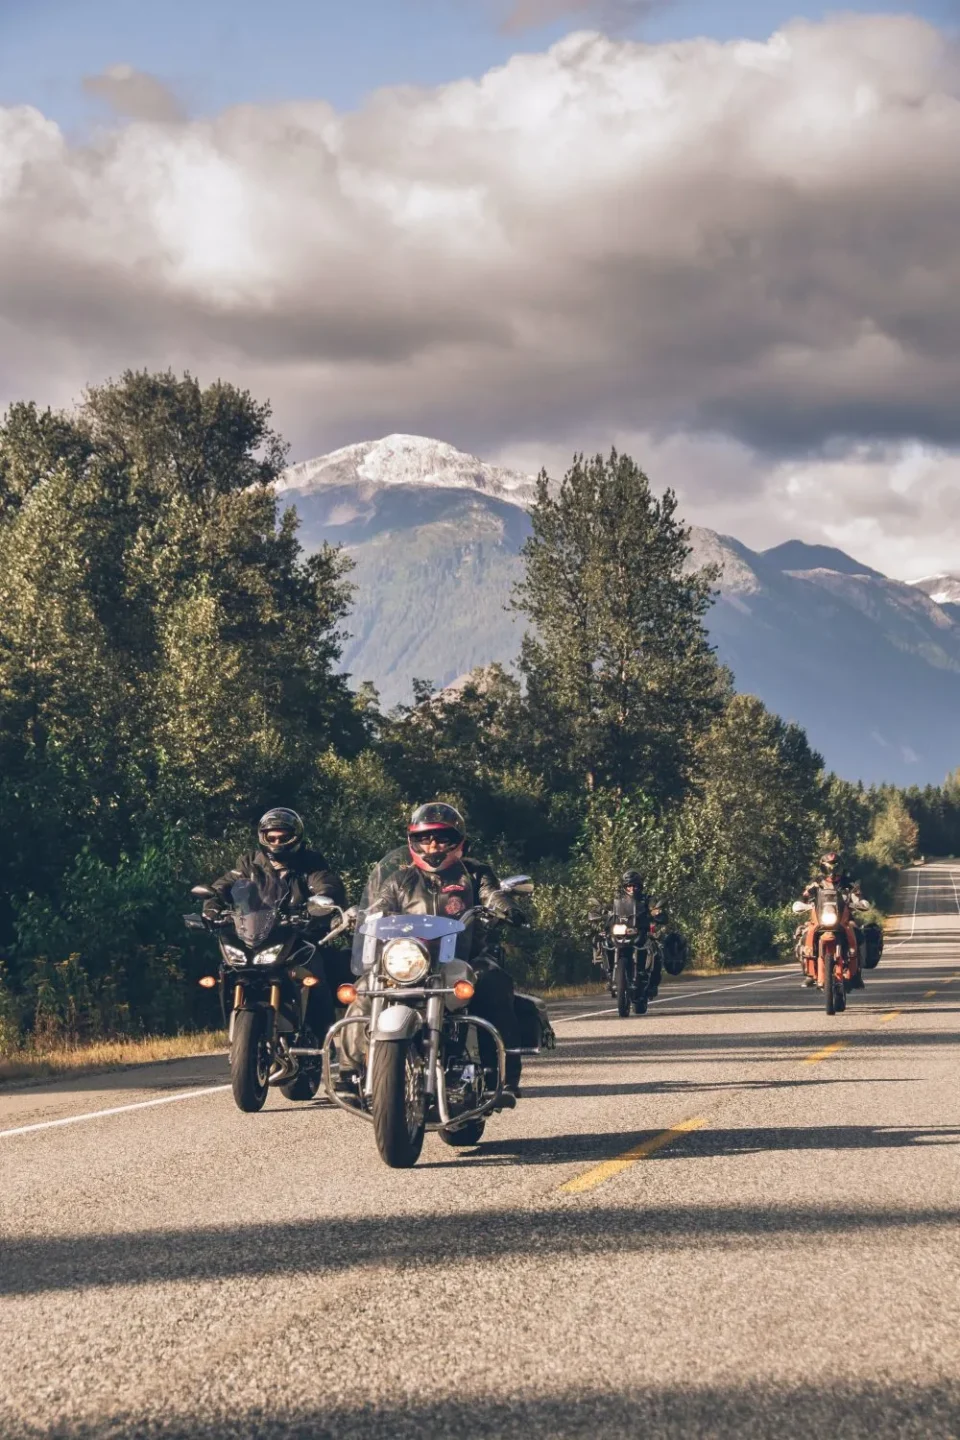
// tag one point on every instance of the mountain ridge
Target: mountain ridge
(869, 666)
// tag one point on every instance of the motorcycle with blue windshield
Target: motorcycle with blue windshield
(411, 1055)
(265, 976)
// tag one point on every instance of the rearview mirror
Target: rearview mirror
(799, 906)
(320, 905)
(517, 885)
(204, 892)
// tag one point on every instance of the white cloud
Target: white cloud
(744, 253)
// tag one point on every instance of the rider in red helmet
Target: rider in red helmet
(440, 880)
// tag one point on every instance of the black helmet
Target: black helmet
(289, 824)
(439, 822)
(830, 863)
(632, 878)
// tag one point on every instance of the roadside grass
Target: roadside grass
(51, 1062)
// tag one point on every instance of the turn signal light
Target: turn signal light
(347, 994)
(309, 981)
(463, 990)
(208, 982)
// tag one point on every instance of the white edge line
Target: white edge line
(114, 1110)
(678, 999)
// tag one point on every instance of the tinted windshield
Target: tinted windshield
(254, 913)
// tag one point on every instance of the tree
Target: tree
(621, 678)
(167, 654)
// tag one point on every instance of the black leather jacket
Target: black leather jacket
(304, 874)
(451, 892)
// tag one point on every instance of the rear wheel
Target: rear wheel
(466, 1135)
(398, 1104)
(622, 990)
(249, 1060)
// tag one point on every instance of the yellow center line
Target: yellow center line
(610, 1168)
(824, 1053)
(891, 1015)
(927, 994)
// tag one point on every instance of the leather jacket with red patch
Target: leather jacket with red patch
(450, 892)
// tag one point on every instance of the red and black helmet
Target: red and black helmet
(436, 836)
(830, 864)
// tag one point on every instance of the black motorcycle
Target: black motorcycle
(265, 977)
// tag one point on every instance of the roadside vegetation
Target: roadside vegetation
(168, 670)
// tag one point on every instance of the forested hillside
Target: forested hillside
(170, 667)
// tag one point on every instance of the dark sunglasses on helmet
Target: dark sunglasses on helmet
(427, 839)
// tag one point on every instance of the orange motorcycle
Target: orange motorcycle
(829, 961)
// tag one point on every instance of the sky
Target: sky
(719, 235)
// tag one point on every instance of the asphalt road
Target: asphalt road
(734, 1216)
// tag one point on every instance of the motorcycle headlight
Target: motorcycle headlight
(622, 930)
(828, 915)
(270, 956)
(406, 961)
(235, 956)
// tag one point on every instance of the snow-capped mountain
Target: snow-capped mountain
(942, 589)
(409, 460)
(869, 666)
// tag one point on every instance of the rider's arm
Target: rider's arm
(489, 896)
(326, 882)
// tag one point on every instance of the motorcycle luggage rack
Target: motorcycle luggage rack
(357, 1107)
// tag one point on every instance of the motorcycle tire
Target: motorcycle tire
(467, 1135)
(840, 1003)
(623, 992)
(399, 1126)
(303, 1086)
(829, 989)
(249, 1063)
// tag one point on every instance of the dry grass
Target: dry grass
(50, 1062)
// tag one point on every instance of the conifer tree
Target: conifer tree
(620, 674)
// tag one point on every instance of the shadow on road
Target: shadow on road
(70, 1262)
(694, 1087)
(706, 1143)
(907, 1411)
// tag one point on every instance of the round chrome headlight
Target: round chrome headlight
(406, 961)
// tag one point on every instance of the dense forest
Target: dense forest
(169, 670)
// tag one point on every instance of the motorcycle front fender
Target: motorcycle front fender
(398, 1022)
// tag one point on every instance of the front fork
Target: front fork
(238, 994)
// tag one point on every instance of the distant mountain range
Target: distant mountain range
(869, 666)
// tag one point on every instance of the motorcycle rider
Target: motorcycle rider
(632, 906)
(284, 866)
(441, 880)
(832, 872)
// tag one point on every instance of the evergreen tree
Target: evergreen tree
(621, 678)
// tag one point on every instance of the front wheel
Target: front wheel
(829, 984)
(398, 1105)
(249, 1061)
(622, 991)
(466, 1135)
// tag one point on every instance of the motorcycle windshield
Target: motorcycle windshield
(253, 916)
(829, 905)
(378, 919)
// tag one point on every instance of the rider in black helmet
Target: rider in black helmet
(283, 859)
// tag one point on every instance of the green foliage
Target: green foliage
(621, 679)
(893, 837)
(168, 670)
